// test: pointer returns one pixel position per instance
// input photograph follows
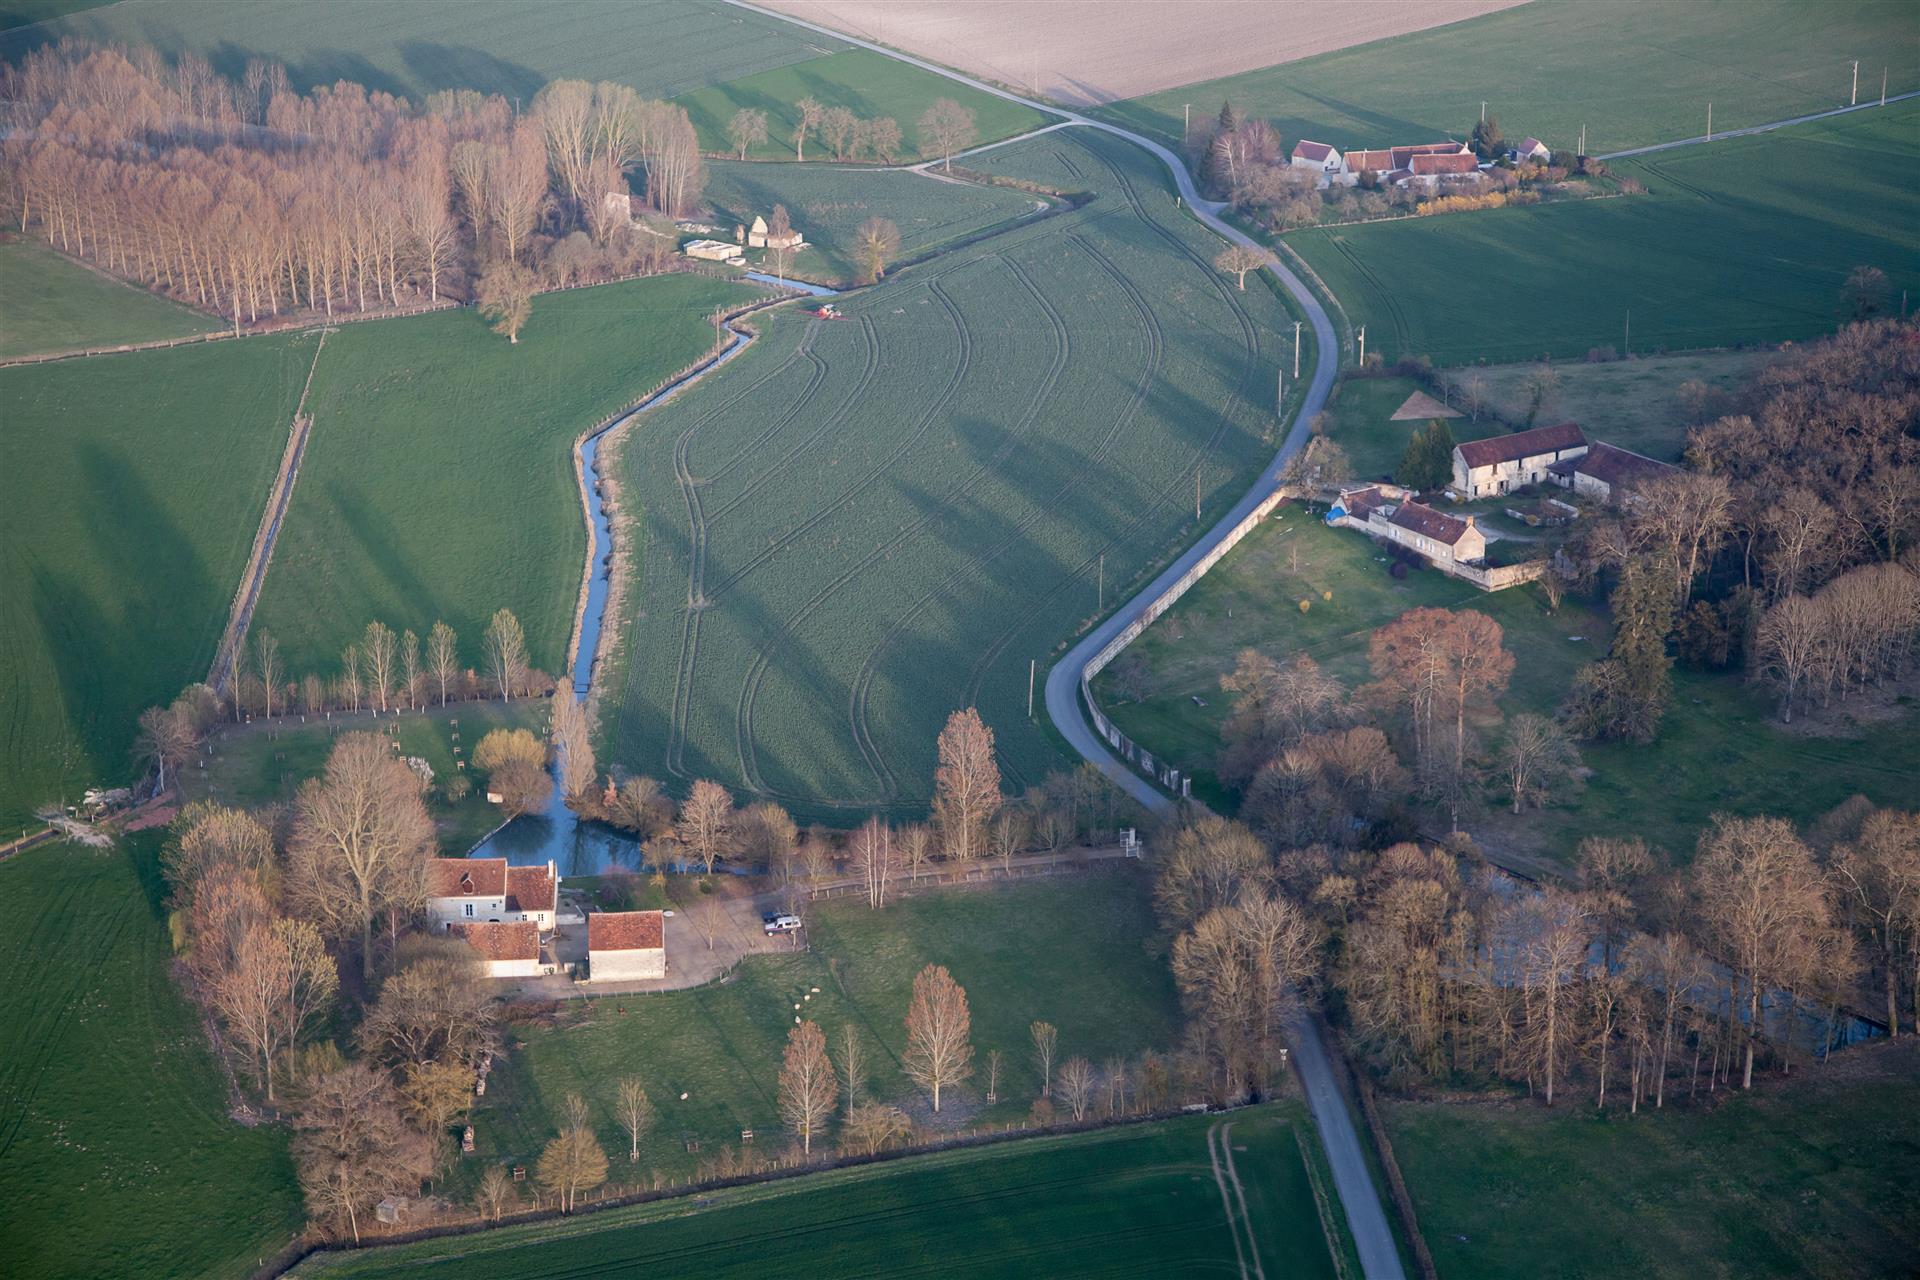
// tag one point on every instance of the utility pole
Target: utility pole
(1030, 666)
(1709, 122)
(1103, 582)
(1296, 351)
(1856, 84)
(1883, 86)
(1196, 493)
(1583, 140)
(1626, 335)
(1363, 346)
(1186, 126)
(1483, 111)
(1279, 392)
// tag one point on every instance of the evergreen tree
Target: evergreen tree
(1428, 460)
(1487, 142)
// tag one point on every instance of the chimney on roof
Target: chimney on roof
(1469, 522)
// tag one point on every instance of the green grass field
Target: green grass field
(1081, 951)
(1820, 1178)
(1633, 72)
(828, 204)
(1718, 750)
(868, 84)
(49, 304)
(439, 479)
(885, 518)
(130, 490)
(261, 764)
(496, 46)
(1121, 1202)
(21, 13)
(1749, 240)
(1629, 403)
(116, 1154)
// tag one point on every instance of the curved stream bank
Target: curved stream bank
(587, 848)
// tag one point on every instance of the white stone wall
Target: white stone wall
(445, 911)
(627, 966)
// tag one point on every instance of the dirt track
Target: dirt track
(1087, 52)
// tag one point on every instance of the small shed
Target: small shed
(392, 1209)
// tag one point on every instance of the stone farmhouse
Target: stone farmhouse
(1608, 473)
(759, 237)
(626, 946)
(463, 891)
(1500, 464)
(508, 949)
(1389, 513)
(1426, 164)
(1531, 150)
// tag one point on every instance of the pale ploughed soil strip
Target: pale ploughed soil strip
(1084, 53)
(1422, 406)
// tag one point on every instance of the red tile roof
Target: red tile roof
(531, 888)
(626, 931)
(1403, 156)
(506, 940)
(1357, 502)
(1522, 444)
(1424, 520)
(1429, 165)
(467, 878)
(1315, 151)
(1378, 161)
(1531, 145)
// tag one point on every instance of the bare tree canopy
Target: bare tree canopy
(966, 784)
(808, 1090)
(939, 1032)
(946, 127)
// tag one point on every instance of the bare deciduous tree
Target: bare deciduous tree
(574, 745)
(939, 1032)
(807, 119)
(443, 658)
(945, 128)
(808, 1090)
(572, 1162)
(1236, 260)
(747, 128)
(706, 826)
(1046, 1042)
(1539, 760)
(353, 1148)
(876, 241)
(495, 1195)
(636, 1113)
(360, 843)
(506, 646)
(873, 1127)
(505, 295)
(378, 653)
(966, 784)
(853, 1067)
(873, 854)
(1078, 1085)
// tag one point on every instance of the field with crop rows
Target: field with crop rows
(130, 489)
(422, 46)
(116, 1154)
(866, 83)
(1142, 1200)
(50, 304)
(828, 205)
(1748, 240)
(1632, 72)
(439, 479)
(862, 525)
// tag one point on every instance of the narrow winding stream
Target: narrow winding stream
(587, 848)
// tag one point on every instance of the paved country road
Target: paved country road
(1366, 1216)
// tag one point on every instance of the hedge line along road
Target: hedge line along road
(1366, 1215)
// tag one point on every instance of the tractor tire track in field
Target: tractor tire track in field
(1234, 1197)
(862, 687)
(757, 669)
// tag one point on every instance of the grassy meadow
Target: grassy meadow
(868, 84)
(1081, 951)
(1748, 240)
(439, 479)
(1819, 1177)
(263, 763)
(116, 1154)
(887, 517)
(828, 204)
(1630, 403)
(50, 304)
(130, 490)
(1140, 1200)
(1719, 749)
(1633, 72)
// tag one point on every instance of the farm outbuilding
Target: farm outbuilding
(626, 946)
(508, 949)
(1502, 464)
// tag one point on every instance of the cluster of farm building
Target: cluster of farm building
(513, 918)
(1426, 164)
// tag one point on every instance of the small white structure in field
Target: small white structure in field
(626, 946)
(712, 250)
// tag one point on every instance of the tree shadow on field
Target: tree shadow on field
(394, 582)
(450, 66)
(319, 67)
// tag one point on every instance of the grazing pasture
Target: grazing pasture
(1633, 72)
(829, 204)
(866, 83)
(863, 524)
(1749, 240)
(1081, 951)
(130, 489)
(1083, 53)
(49, 304)
(439, 480)
(1140, 1200)
(117, 1157)
(1815, 1177)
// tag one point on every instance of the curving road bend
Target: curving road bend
(1366, 1216)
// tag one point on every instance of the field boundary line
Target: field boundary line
(1752, 129)
(279, 499)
